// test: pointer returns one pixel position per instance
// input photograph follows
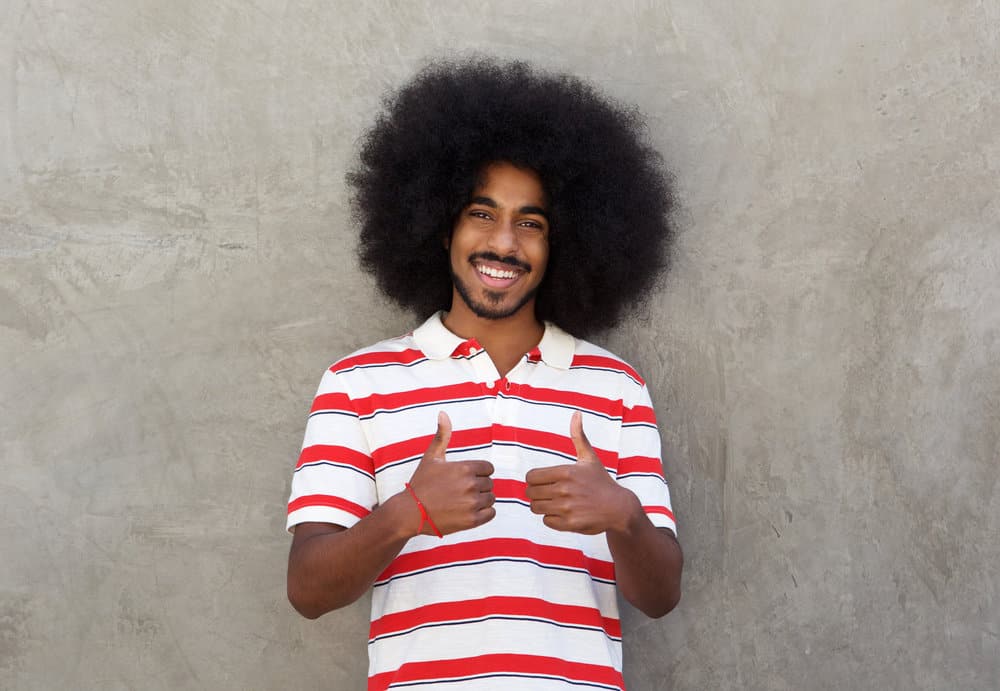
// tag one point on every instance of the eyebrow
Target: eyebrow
(486, 201)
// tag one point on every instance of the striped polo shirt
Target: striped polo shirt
(512, 603)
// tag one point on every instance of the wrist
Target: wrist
(405, 514)
(629, 514)
(425, 518)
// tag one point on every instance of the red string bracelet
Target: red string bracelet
(424, 516)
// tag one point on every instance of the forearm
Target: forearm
(648, 563)
(330, 567)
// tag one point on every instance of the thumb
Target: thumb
(584, 451)
(439, 444)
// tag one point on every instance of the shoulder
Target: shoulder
(401, 351)
(589, 356)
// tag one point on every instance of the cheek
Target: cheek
(540, 254)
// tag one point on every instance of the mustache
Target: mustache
(493, 257)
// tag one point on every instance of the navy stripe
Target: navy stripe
(411, 459)
(444, 401)
(490, 617)
(567, 457)
(348, 413)
(609, 369)
(649, 425)
(650, 475)
(410, 364)
(343, 466)
(612, 418)
(377, 365)
(496, 675)
(539, 449)
(490, 560)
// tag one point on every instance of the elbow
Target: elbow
(658, 604)
(663, 597)
(665, 605)
(302, 604)
(314, 600)
(308, 599)
(307, 612)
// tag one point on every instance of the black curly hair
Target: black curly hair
(609, 197)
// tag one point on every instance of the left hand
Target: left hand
(580, 497)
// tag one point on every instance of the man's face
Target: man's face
(499, 246)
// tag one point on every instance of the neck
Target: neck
(505, 340)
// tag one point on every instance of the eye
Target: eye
(479, 213)
(532, 225)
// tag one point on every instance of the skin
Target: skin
(504, 228)
(330, 567)
(581, 497)
(506, 220)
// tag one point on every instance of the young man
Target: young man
(491, 477)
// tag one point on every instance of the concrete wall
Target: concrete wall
(176, 270)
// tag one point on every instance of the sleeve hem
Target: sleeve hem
(660, 521)
(320, 514)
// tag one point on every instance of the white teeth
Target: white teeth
(495, 273)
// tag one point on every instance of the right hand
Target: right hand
(457, 495)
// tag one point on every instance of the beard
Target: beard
(491, 307)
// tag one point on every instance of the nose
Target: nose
(503, 237)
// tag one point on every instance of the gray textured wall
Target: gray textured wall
(176, 270)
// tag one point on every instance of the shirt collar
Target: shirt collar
(437, 342)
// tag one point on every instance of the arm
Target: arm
(648, 563)
(583, 498)
(330, 566)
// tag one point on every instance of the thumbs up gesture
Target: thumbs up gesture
(457, 495)
(579, 497)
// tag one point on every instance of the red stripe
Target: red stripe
(498, 548)
(549, 441)
(326, 500)
(337, 454)
(332, 401)
(639, 464)
(466, 348)
(605, 363)
(411, 448)
(401, 357)
(468, 610)
(510, 489)
(498, 663)
(438, 395)
(484, 436)
(639, 413)
(573, 399)
(663, 510)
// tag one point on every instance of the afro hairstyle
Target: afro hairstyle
(609, 199)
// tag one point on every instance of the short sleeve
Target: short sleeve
(639, 465)
(334, 479)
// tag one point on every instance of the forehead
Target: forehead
(503, 181)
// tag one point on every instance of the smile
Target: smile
(496, 273)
